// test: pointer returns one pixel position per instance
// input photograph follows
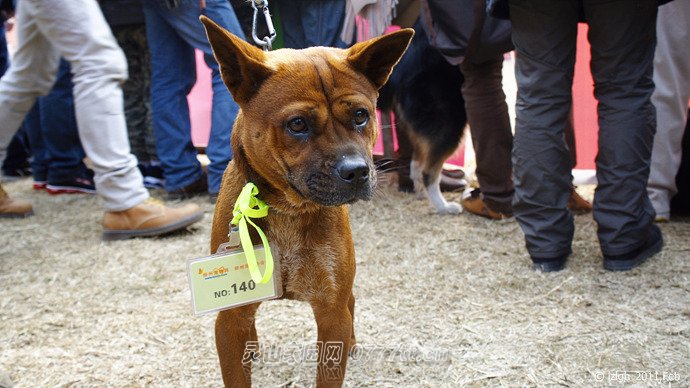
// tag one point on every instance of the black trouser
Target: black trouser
(622, 38)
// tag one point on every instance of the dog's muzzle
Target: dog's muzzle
(350, 179)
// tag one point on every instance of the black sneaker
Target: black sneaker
(11, 175)
(630, 260)
(198, 187)
(76, 185)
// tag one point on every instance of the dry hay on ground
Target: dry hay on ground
(441, 301)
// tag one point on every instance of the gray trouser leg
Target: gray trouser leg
(80, 34)
(623, 39)
(541, 161)
(672, 80)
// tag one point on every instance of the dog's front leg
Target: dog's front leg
(237, 343)
(334, 326)
(351, 307)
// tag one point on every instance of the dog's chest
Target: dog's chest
(308, 267)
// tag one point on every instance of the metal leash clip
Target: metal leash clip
(233, 237)
(266, 42)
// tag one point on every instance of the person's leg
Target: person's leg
(16, 164)
(569, 137)
(40, 159)
(622, 42)
(672, 80)
(173, 74)
(79, 32)
(291, 15)
(32, 74)
(224, 112)
(66, 170)
(680, 203)
(137, 91)
(322, 22)
(4, 54)
(143, 66)
(544, 34)
(14, 159)
(492, 136)
(186, 24)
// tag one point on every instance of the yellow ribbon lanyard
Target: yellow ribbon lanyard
(248, 206)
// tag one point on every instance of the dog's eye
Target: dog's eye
(361, 118)
(297, 125)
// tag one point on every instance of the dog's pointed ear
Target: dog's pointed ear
(242, 66)
(375, 58)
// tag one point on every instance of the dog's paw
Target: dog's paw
(451, 208)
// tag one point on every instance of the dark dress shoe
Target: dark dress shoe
(551, 264)
(198, 187)
(452, 185)
(632, 259)
(454, 173)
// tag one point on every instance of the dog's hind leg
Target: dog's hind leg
(237, 344)
(431, 177)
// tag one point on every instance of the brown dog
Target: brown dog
(304, 136)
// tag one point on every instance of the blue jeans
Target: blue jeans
(4, 55)
(308, 23)
(172, 36)
(52, 128)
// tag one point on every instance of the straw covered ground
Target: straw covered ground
(441, 301)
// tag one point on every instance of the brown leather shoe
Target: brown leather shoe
(577, 204)
(13, 208)
(150, 218)
(474, 204)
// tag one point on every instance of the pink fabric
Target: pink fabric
(200, 99)
(584, 105)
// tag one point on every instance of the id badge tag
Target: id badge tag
(222, 281)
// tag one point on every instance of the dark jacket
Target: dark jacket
(122, 12)
(499, 8)
(461, 30)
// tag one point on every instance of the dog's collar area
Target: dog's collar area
(247, 206)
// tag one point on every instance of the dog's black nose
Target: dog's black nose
(352, 169)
